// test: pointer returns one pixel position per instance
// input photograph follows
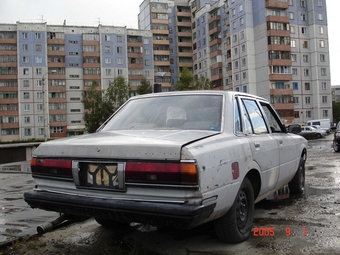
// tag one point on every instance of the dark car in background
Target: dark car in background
(310, 132)
(336, 139)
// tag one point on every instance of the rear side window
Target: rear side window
(255, 116)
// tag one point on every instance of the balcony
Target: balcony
(8, 40)
(185, 44)
(185, 64)
(282, 92)
(56, 52)
(276, 4)
(135, 66)
(282, 33)
(214, 18)
(216, 65)
(91, 43)
(215, 30)
(215, 53)
(135, 55)
(162, 63)
(56, 64)
(135, 44)
(91, 53)
(183, 14)
(280, 62)
(281, 19)
(136, 77)
(279, 47)
(55, 41)
(183, 23)
(166, 74)
(215, 41)
(280, 77)
(160, 32)
(9, 64)
(156, 10)
(91, 65)
(185, 54)
(184, 34)
(160, 21)
(284, 106)
(216, 77)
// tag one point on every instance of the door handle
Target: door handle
(257, 145)
(280, 142)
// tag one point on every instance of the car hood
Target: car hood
(131, 144)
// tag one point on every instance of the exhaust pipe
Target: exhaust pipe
(48, 226)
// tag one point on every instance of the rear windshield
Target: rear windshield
(183, 112)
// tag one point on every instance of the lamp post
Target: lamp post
(44, 103)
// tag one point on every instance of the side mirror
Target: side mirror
(294, 128)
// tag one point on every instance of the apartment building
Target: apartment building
(277, 49)
(45, 69)
(170, 23)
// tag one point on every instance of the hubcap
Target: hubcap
(242, 210)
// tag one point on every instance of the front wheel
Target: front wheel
(336, 146)
(235, 226)
(297, 184)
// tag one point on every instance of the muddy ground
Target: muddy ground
(307, 224)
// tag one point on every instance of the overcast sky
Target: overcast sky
(125, 13)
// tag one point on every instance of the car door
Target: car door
(264, 146)
(288, 150)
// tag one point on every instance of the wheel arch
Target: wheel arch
(255, 179)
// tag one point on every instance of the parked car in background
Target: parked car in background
(177, 159)
(309, 132)
(324, 124)
(336, 139)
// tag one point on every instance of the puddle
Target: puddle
(309, 191)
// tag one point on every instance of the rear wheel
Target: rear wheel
(235, 226)
(336, 146)
(318, 135)
(297, 184)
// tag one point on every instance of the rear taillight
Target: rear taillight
(51, 167)
(162, 173)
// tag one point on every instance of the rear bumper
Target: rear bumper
(154, 213)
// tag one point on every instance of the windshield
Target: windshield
(184, 112)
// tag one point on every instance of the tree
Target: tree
(186, 82)
(145, 87)
(99, 104)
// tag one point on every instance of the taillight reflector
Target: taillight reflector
(162, 173)
(51, 167)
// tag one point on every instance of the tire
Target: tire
(318, 135)
(111, 223)
(235, 226)
(336, 147)
(297, 184)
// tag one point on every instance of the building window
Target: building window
(303, 17)
(234, 25)
(38, 47)
(244, 89)
(307, 86)
(25, 59)
(233, 11)
(295, 85)
(119, 49)
(26, 83)
(146, 41)
(324, 85)
(305, 44)
(244, 75)
(235, 38)
(292, 43)
(303, 3)
(320, 16)
(243, 61)
(291, 15)
(26, 107)
(324, 99)
(322, 44)
(119, 38)
(38, 59)
(241, 21)
(120, 71)
(26, 95)
(37, 35)
(120, 61)
(291, 2)
(107, 38)
(107, 49)
(243, 48)
(304, 30)
(305, 58)
(38, 83)
(323, 72)
(321, 30)
(293, 57)
(108, 71)
(27, 119)
(27, 132)
(39, 95)
(294, 71)
(235, 51)
(241, 7)
(24, 35)
(38, 71)
(308, 114)
(107, 60)
(307, 100)
(39, 107)
(306, 72)
(319, 3)
(296, 100)
(325, 113)
(322, 58)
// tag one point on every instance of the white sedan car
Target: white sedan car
(176, 159)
